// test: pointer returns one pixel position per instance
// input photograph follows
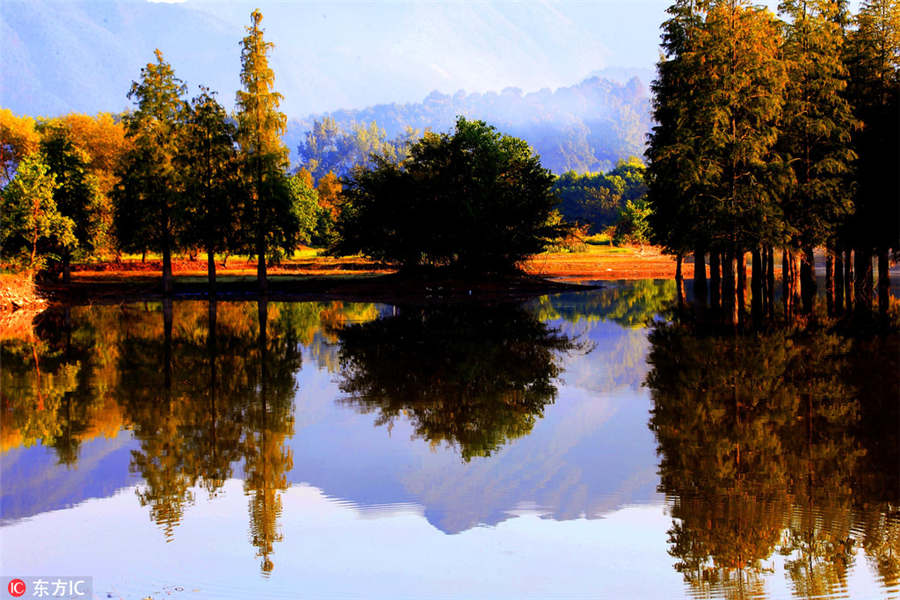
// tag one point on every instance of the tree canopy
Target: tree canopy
(474, 199)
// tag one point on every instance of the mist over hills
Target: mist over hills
(585, 127)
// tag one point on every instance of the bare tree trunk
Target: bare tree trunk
(211, 269)
(838, 282)
(715, 279)
(67, 266)
(796, 298)
(167, 268)
(770, 278)
(756, 286)
(699, 278)
(829, 279)
(884, 282)
(679, 280)
(863, 284)
(729, 298)
(848, 279)
(261, 276)
(807, 278)
(741, 258)
(786, 282)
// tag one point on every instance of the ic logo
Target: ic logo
(16, 588)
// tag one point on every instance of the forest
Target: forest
(778, 134)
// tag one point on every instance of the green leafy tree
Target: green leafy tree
(270, 217)
(475, 199)
(147, 215)
(77, 193)
(208, 165)
(633, 225)
(31, 224)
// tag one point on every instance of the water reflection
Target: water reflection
(777, 445)
(776, 452)
(469, 376)
(203, 387)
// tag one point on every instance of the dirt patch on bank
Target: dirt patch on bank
(18, 292)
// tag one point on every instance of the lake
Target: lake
(577, 445)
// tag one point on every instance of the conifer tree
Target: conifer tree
(147, 195)
(676, 219)
(873, 59)
(270, 215)
(208, 165)
(815, 137)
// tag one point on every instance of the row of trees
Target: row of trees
(57, 177)
(195, 177)
(778, 134)
(171, 174)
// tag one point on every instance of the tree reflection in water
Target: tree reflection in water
(472, 377)
(775, 443)
(203, 387)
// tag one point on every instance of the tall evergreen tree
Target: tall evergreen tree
(264, 155)
(208, 164)
(676, 220)
(874, 62)
(147, 195)
(817, 126)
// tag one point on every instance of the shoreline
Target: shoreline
(384, 289)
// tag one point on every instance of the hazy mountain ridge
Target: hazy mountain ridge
(586, 127)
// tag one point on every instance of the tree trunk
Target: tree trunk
(829, 280)
(756, 286)
(796, 267)
(807, 278)
(848, 279)
(863, 284)
(167, 269)
(770, 286)
(144, 256)
(699, 278)
(261, 277)
(211, 269)
(786, 282)
(679, 280)
(741, 259)
(715, 280)
(838, 282)
(67, 266)
(729, 299)
(884, 282)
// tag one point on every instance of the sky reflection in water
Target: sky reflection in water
(372, 451)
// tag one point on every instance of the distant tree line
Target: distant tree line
(585, 128)
(778, 134)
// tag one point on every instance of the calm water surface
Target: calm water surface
(575, 446)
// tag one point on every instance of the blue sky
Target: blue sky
(82, 55)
